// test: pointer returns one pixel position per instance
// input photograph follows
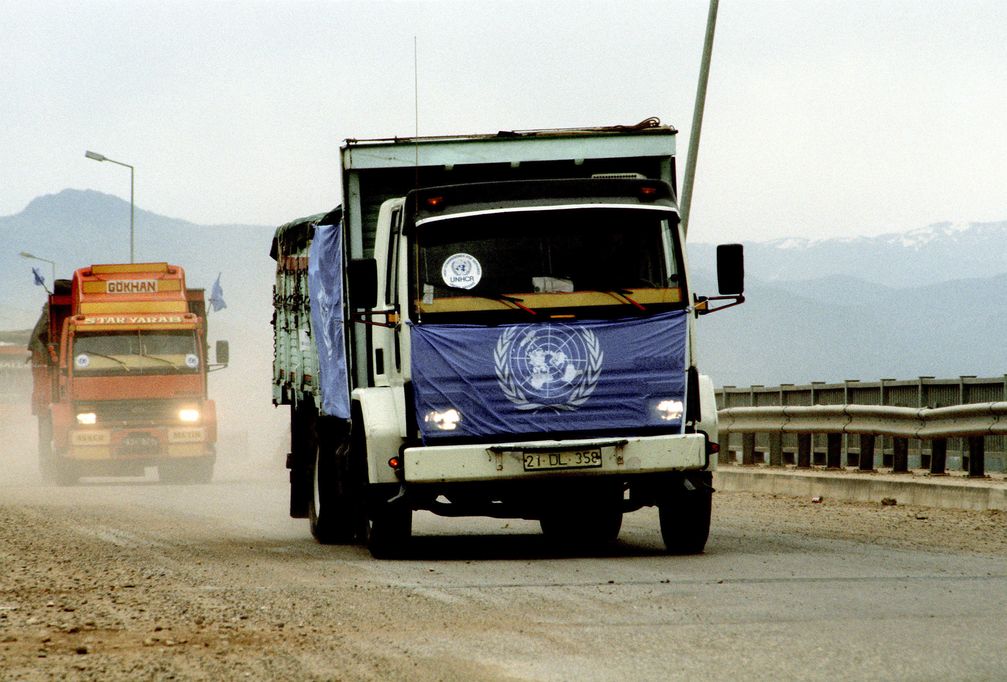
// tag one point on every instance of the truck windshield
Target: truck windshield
(544, 258)
(136, 351)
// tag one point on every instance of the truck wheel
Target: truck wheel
(330, 509)
(46, 461)
(202, 470)
(384, 527)
(65, 471)
(685, 520)
(389, 527)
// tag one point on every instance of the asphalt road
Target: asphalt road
(132, 579)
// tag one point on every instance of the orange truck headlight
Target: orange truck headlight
(188, 415)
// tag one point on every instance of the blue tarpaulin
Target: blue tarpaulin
(549, 377)
(325, 287)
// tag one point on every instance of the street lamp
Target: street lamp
(99, 157)
(25, 254)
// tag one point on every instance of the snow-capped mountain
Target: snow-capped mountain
(935, 253)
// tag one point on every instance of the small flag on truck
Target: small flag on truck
(39, 279)
(217, 296)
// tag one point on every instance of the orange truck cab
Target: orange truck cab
(120, 361)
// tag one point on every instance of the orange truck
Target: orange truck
(120, 358)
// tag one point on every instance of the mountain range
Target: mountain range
(925, 302)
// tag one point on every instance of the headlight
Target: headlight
(87, 418)
(446, 420)
(670, 410)
(189, 415)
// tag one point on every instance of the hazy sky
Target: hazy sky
(823, 118)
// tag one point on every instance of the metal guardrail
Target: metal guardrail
(980, 419)
(925, 392)
(973, 422)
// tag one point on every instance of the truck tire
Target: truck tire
(389, 527)
(685, 520)
(65, 471)
(332, 513)
(46, 460)
(384, 527)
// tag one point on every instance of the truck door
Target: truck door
(386, 358)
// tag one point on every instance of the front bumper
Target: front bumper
(146, 444)
(506, 461)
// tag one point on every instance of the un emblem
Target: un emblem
(554, 366)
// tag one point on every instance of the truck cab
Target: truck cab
(121, 376)
(522, 343)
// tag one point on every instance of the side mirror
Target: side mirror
(730, 269)
(362, 279)
(223, 352)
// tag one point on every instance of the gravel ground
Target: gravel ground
(155, 598)
(122, 605)
(94, 587)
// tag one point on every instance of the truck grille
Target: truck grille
(133, 412)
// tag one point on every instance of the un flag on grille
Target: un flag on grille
(548, 377)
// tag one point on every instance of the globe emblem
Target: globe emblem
(548, 366)
(461, 271)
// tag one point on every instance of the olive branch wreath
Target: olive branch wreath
(512, 390)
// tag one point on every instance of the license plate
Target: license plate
(140, 442)
(569, 459)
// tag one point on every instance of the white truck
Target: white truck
(498, 325)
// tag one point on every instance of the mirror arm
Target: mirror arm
(363, 317)
(702, 304)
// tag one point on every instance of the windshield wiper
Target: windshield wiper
(504, 298)
(620, 293)
(110, 357)
(155, 357)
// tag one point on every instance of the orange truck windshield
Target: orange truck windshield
(135, 351)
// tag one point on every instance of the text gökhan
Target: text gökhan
(131, 286)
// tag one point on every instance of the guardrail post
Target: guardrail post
(724, 456)
(939, 457)
(804, 451)
(900, 455)
(776, 449)
(834, 451)
(977, 457)
(866, 452)
(747, 449)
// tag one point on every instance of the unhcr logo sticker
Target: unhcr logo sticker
(461, 271)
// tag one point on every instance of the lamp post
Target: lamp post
(25, 254)
(99, 157)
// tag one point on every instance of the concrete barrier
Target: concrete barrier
(950, 492)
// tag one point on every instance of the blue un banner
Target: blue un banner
(325, 286)
(472, 380)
